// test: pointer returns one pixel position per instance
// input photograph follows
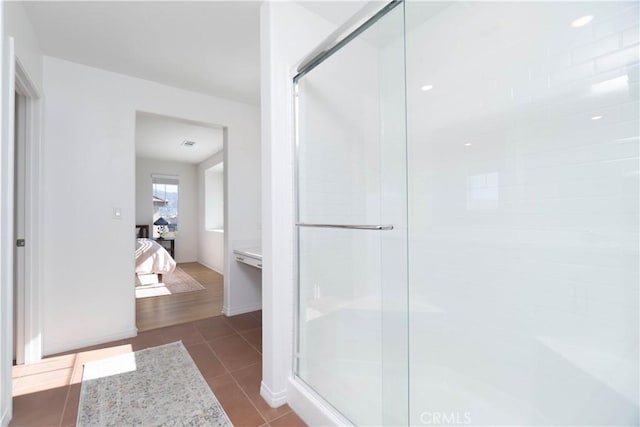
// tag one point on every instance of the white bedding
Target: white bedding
(152, 258)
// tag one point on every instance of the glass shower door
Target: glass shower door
(351, 224)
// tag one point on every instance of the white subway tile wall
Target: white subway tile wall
(523, 287)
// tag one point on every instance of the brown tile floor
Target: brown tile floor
(227, 350)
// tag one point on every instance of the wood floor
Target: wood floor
(167, 310)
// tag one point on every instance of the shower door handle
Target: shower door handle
(347, 226)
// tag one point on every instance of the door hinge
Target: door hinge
(20, 243)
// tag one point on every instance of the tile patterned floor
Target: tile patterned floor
(227, 350)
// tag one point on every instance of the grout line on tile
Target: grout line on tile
(281, 416)
(229, 324)
(236, 381)
(220, 337)
(259, 350)
(245, 367)
(247, 396)
(226, 370)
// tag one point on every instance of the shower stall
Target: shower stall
(467, 215)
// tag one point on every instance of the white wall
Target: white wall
(280, 52)
(186, 242)
(90, 170)
(214, 197)
(211, 249)
(27, 48)
(242, 189)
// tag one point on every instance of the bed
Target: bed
(151, 258)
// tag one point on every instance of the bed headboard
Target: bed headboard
(142, 231)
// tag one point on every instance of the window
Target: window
(165, 205)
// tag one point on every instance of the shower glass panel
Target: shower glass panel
(523, 212)
(351, 225)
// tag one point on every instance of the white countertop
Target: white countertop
(255, 252)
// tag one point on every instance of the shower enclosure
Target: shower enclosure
(467, 216)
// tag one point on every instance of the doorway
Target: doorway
(27, 342)
(174, 200)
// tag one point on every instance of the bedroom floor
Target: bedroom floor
(227, 350)
(161, 311)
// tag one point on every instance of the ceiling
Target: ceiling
(161, 137)
(336, 12)
(211, 47)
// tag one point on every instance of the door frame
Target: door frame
(28, 312)
(6, 225)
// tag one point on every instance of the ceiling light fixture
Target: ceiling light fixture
(596, 117)
(467, 144)
(426, 88)
(582, 21)
(188, 143)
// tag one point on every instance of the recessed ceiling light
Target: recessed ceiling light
(467, 144)
(188, 143)
(596, 117)
(582, 21)
(426, 88)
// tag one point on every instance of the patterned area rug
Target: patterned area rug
(158, 386)
(173, 283)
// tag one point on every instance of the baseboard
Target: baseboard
(73, 345)
(273, 399)
(241, 310)
(211, 268)
(310, 407)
